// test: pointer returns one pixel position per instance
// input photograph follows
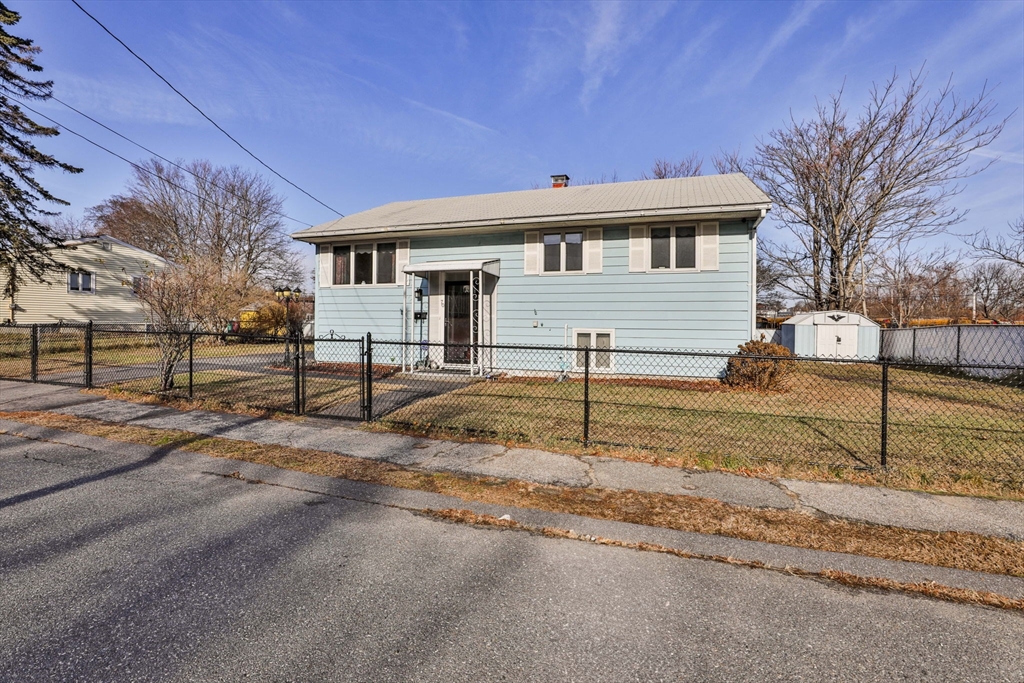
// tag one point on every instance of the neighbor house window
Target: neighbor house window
(386, 252)
(138, 282)
(563, 252)
(343, 265)
(364, 264)
(598, 343)
(674, 248)
(81, 281)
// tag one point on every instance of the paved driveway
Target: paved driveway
(125, 563)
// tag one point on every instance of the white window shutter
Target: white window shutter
(531, 254)
(637, 248)
(326, 265)
(593, 251)
(709, 246)
(401, 260)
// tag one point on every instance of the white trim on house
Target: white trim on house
(326, 266)
(706, 247)
(592, 251)
(594, 352)
(78, 273)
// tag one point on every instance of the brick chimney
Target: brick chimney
(560, 180)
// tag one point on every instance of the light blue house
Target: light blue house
(651, 263)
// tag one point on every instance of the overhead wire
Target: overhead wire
(160, 156)
(61, 126)
(201, 112)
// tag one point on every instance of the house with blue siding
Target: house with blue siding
(652, 263)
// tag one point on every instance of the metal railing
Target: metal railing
(965, 419)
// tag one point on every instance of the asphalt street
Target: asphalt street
(133, 569)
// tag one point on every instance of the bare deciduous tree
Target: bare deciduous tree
(908, 283)
(226, 215)
(184, 297)
(1009, 249)
(846, 188)
(998, 289)
(685, 168)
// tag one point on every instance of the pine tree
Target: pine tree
(26, 243)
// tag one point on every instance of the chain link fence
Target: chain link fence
(940, 416)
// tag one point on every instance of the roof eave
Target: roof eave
(314, 235)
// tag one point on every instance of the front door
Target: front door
(457, 322)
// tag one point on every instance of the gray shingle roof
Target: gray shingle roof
(674, 196)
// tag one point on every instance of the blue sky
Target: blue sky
(366, 103)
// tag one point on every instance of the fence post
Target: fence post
(191, 344)
(958, 346)
(34, 352)
(296, 383)
(302, 370)
(88, 355)
(369, 378)
(586, 397)
(362, 378)
(885, 414)
(913, 344)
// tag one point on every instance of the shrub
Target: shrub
(760, 365)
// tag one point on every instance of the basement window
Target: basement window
(601, 343)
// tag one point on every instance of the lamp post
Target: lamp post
(287, 295)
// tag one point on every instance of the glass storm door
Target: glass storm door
(457, 322)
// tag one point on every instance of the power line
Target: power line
(201, 112)
(130, 162)
(159, 156)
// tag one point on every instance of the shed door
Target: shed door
(836, 341)
(825, 341)
(846, 341)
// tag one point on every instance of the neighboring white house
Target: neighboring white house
(99, 284)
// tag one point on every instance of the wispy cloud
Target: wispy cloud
(743, 69)
(136, 101)
(799, 17)
(615, 27)
(1008, 157)
(450, 116)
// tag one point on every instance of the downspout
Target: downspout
(753, 271)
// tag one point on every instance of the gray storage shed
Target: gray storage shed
(832, 334)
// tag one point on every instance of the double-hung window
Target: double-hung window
(687, 247)
(674, 248)
(563, 252)
(598, 343)
(81, 282)
(365, 264)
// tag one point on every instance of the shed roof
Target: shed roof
(820, 317)
(610, 201)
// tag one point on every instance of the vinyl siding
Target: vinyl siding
(707, 310)
(112, 301)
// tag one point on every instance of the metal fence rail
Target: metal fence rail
(965, 419)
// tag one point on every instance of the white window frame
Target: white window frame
(697, 245)
(80, 272)
(352, 264)
(561, 258)
(593, 332)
